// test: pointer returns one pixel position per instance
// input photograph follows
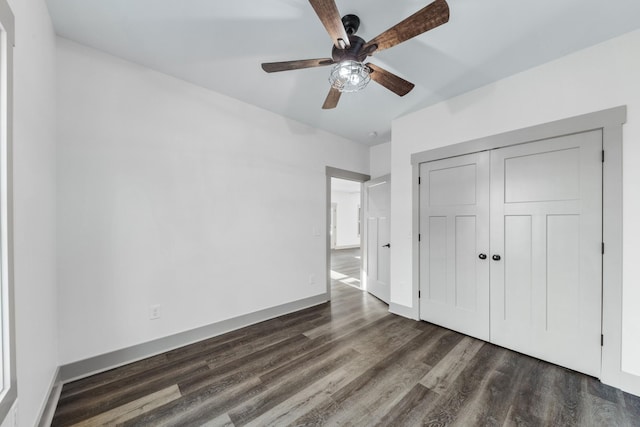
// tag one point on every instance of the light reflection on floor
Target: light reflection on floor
(345, 267)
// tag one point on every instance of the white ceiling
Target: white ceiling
(220, 45)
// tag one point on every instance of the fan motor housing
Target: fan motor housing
(353, 52)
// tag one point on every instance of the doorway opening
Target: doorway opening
(344, 237)
(345, 232)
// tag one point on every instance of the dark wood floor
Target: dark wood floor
(348, 362)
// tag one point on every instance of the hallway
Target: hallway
(345, 267)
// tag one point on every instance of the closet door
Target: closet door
(454, 229)
(546, 227)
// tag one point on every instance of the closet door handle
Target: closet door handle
(388, 245)
(496, 257)
(482, 256)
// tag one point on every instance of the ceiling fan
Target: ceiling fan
(349, 72)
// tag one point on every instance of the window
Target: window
(8, 392)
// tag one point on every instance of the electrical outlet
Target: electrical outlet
(154, 312)
(312, 279)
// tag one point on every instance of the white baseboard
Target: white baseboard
(49, 408)
(337, 248)
(103, 362)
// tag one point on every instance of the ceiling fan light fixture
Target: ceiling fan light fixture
(349, 76)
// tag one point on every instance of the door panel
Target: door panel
(377, 236)
(563, 272)
(384, 253)
(466, 295)
(546, 223)
(553, 175)
(454, 226)
(372, 248)
(436, 266)
(452, 186)
(517, 297)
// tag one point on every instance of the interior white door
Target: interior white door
(377, 198)
(454, 243)
(546, 227)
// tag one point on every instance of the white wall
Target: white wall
(594, 79)
(34, 206)
(380, 160)
(347, 218)
(174, 195)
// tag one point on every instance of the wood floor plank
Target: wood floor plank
(221, 421)
(523, 408)
(286, 412)
(121, 393)
(362, 399)
(600, 412)
(387, 339)
(349, 363)
(85, 385)
(632, 408)
(439, 378)
(283, 386)
(462, 391)
(253, 364)
(210, 403)
(344, 324)
(596, 388)
(547, 405)
(410, 409)
(491, 403)
(567, 389)
(132, 409)
(251, 343)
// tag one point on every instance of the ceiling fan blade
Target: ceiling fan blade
(427, 18)
(272, 67)
(395, 84)
(332, 99)
(328, 13)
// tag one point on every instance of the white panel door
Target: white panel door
(454, 244)
(546, 227)
(377, 207)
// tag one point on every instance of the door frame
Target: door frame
(332, 172)
(610, 121)
(333, 228)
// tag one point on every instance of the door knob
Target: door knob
(496, 257)
(482, 256)
(388, 245)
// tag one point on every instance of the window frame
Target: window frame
(8, 393)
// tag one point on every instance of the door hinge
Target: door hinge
(602, 248)
(602, 156)
(601, 340)
(419, 181)
(418, 294)
(419, 237)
